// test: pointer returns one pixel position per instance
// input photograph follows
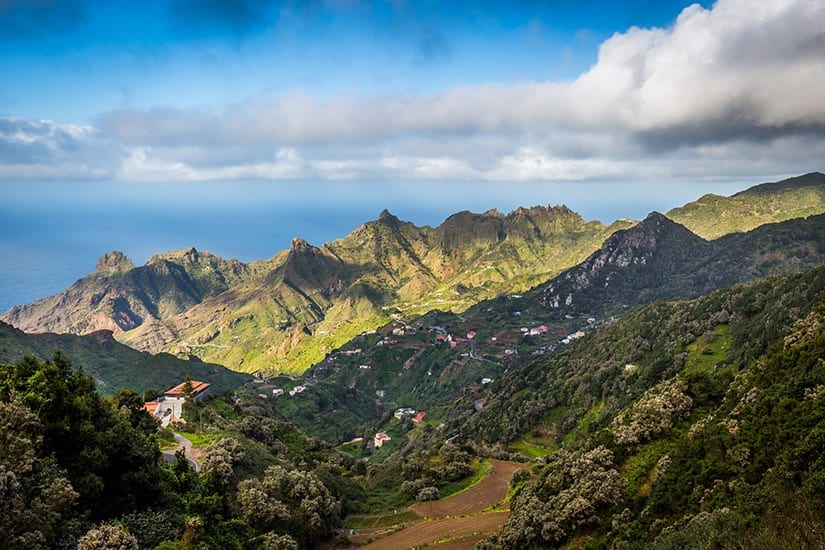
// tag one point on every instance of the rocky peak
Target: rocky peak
(114, 262)
(183, 256)
(629, 260)
(300, 245)
(191, 255)
(654, 232)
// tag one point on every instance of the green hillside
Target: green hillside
(697, 423)
(713, 216)
(113, 365)
(315, 299)
(410, 362)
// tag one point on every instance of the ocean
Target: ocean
(52, 233)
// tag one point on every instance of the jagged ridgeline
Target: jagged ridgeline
(289, 312)
(685, 424)
(660, 259)
(657, 259)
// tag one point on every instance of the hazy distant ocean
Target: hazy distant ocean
(52, 233)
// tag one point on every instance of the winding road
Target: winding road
(186, 445)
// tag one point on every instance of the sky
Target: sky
(464, 91)
(235, 125)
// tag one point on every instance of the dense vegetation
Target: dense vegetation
(352, 394)
(694, 424)
(78, 469)
(681, 424)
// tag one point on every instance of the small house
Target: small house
(379, 439)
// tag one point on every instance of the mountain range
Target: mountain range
(407, 364)
(287, 313)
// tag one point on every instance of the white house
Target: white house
(169, 407)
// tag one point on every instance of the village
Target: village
(407, 367)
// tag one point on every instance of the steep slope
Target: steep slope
(118, 296)
(316, 299)
(286, 313)
(659, 259)
(688, 424)
(412, 363)
(114, 365)
(713, 216)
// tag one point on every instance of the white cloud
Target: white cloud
(719, 88)
(46, 150)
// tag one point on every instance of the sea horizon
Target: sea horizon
(52, 233)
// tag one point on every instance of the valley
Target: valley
(396, 275)
(499, 381)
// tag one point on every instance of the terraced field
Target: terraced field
(455, 522)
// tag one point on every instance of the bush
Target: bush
(108, 537)
(428, 493)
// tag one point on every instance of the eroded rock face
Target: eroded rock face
(656, 242)
(118, 296)
(114, 262)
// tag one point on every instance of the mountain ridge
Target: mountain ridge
(412, 361)
(113, 365)
(335, 291)
(713, 216)
(287, 312)
(661, 259)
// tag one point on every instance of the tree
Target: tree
(290, 502)
(428, 493)
(569, 496)
(108, 537)
(188, 389)
(131, 404)
(35, 497)
(114, 467)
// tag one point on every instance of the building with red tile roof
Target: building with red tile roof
(199, 390)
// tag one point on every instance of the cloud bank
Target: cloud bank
(731, 91)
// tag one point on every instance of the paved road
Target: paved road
(186, 445)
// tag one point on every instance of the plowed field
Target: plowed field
(458, 520)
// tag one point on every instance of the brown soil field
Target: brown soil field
(486, 493)
(432, 530)
(463, 543)
(457, 517)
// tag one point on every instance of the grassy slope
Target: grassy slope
(113, 365)
(713, 216)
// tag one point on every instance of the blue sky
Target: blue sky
(73, 60)
(393, 90)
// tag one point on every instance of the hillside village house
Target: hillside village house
(169, 407)
(379, 439)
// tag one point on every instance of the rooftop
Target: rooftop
(177, 391)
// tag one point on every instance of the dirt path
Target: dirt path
(457, 518)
